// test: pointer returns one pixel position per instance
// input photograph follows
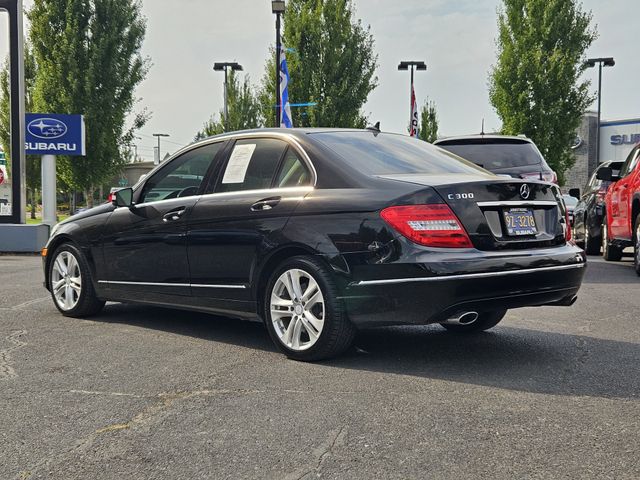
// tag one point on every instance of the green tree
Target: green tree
(535, 85)
(331, 61)
(242, 105)
(33, 174)
(428, 122)
(89, 62)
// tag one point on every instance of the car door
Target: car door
(621, 197)
(144, 245)
(259, 187)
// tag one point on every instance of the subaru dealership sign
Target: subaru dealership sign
(53, 134)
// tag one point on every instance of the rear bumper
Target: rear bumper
(431, 292)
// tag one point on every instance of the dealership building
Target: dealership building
(617, 138)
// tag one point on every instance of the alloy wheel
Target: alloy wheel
(297, 309)
(66, 280)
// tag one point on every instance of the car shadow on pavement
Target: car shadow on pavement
(506, 357)
(510, 358)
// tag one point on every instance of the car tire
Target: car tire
(592, 245)
(70, 283)
(303, 313)
(636, 246)
(485, 321)
(611, 253)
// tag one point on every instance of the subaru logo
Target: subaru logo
(525, 191)
(48, 128)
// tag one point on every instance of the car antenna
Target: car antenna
(482, 128)
(375, 128)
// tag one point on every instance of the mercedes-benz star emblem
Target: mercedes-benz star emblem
(525, 191)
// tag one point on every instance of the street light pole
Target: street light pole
(225, 66)
(607, 62)
(410, 65)
(156, 161)
(277, 7)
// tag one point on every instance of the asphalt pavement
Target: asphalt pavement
(150, 393)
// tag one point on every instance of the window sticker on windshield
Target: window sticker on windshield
(238, 163)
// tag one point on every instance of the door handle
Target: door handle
(266, 204)
(173, 215)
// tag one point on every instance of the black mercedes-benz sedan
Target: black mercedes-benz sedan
(319, 232)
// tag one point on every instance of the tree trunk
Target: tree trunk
(88, 196)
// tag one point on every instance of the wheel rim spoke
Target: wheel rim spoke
(288, 334)
(312, 290)
(298, 320)
(295, 336)
(312, 325)
(294, 278)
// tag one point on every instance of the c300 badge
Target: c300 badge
(460, 196)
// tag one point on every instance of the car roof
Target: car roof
(490, 138)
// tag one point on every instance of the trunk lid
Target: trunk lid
(489, 208)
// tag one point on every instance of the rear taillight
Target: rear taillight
(429, 225)
(567, 227)
(111, 197)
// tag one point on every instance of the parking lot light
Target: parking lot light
(590, 63)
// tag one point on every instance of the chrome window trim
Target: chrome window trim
(259, 191)
(235, 192)
(467, 275)
(158, 284)
(234, 136)
(520, 203)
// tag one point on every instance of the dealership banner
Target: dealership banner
(413, 126)
(54, 134)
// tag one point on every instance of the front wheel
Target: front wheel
(611, 253)
(70, 283)
(485, 321)
(304, 316)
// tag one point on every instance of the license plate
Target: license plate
(520, 221)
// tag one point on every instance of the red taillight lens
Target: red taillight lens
(567, 228)
(429, 225)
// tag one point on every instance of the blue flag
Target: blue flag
(285, 108)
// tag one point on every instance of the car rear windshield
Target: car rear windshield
(494, 155)
(384, 154)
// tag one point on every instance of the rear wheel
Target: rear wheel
(591, 244)
(611, 253)
(636, 246)
(485, 321)
(304, 316)
(70, 283)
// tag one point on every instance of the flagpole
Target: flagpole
(278, 60)
(412, 65)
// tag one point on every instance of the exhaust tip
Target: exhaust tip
(463, 318)
(468, 317)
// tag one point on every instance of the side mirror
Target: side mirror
(605, 173)
(123, 198)
(575, 193)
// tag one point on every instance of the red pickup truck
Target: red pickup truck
(621, 224)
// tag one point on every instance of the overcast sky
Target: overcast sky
(454, 37)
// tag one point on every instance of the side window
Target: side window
(630, 163)
(634, 162)
(182, 177)
(293, 172)
(252, 164)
